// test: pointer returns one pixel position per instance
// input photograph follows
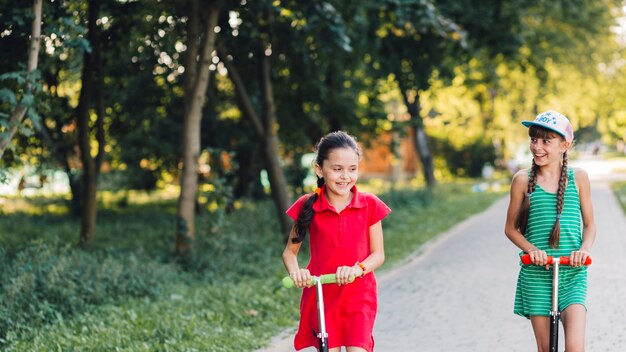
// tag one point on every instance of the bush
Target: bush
(42, 283)
(242, 245)
(468, 160)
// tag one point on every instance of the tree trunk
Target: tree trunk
(277, 181)
(33, 55)
(266, 131)
(274, 170)
(193, 44)
(185, 227)
(264, 124)
(420, 140)
(90, 171)
(247, 182)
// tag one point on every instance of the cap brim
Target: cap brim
(532, 123)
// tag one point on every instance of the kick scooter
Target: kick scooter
(318, 281)
(554, 313)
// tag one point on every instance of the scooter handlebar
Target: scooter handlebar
(324, 279)
(563, 260)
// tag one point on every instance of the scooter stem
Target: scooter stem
(555, 314)
(322, 335)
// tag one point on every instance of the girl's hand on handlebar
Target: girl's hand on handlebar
(346, 274)
(301, 278)
(577, 258)
(538, 257)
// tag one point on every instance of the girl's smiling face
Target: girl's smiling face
(546, 146)
(340, 171)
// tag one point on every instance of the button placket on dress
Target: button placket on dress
(340, 232)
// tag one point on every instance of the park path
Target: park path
(456, 293)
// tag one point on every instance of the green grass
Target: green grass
(230, 301)
(197, 317)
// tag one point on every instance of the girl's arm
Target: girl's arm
(301, 277)
(371, 263)
(578, 257)
(519, 186)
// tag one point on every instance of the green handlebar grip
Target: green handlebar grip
(324, 279)
(288, 282)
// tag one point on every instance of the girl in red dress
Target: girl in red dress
(346, 238)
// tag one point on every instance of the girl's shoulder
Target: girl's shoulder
(580, 175)
(298, 204)
(374, 206)
(519, 183)
(368, 197)
(577, 170)
(521, 176)
(303, 197)
(372, 201)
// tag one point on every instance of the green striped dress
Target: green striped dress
(534, 284)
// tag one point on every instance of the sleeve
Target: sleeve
(378, 209)
(295, 208)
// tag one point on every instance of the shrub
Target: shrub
(468, 160)
(41, 283)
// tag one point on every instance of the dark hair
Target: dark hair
(328, 143)
(522, 217)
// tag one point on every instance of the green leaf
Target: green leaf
(4, 178)
(18, 76)
(7, 96)
(28, 100)
(26, 131)
(35, 118)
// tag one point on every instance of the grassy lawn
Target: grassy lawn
(126, 294)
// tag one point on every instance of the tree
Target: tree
(27, 98)
(266, 129)
(91, 77)
(323, 81)
(263, 122)
(411, 40)
(196, 82)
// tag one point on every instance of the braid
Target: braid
(532, 180)
(306, 215)
(555, 234)
(522, 216)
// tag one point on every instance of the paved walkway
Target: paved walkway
(457, 293)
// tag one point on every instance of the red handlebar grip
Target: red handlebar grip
(562, 260)
(565, 260)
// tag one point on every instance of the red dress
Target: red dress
(338, 239)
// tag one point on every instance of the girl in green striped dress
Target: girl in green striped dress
(550, 214)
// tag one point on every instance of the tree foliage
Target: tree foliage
(462, 71)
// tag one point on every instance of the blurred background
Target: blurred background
(150, 148)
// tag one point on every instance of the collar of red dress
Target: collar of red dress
(358, 200)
